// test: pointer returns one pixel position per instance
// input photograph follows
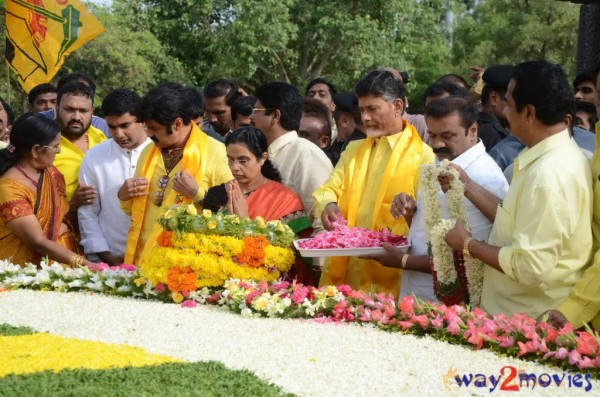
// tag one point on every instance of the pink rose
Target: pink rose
(189, 303)
(160, 288)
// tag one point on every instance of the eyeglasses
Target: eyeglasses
(55, 148)
(254, 110)
(158, 197)
(241, 163)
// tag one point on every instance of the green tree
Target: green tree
(513, 31)
(121, 57)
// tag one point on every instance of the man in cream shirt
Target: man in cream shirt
(102, 224)
(541, 240)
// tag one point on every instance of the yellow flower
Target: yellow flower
(177, 297)
(140, 281)
(261, 222)
(206, 213)
(211, 225)
(191, 209)
(169, 214)
(330, 290)
(236, 220)
(280, 227)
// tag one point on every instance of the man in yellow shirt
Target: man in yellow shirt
(369, 174)
(541, 240)
(74, 115)
(583, 304)
(179, 168)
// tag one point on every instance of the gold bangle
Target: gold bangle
(404, 260)
(76, 260)
(466, 251)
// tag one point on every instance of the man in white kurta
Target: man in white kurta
(102, 224)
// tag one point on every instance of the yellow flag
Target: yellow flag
(40, 33)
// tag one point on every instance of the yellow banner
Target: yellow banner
(40, 33)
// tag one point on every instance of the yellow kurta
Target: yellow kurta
(366, 179)
(203, 157)
(68, 161)
(544, 229)
(583, 304)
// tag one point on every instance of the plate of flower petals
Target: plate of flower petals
(345, 241)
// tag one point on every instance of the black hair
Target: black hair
(446, 106)
(256, 143)
(172, 85)
(486, 91)
(314, 108)
(581, 77)
(596, 72)
(405, 77)
(442, 87)
(590, 109)
(321, 80)
(544, 86)
(119, 102)
(222, 87)
(76, 76)
(10, 113)
(39, 90)
(243, 105)
(381, 83)
(28, 130)
(454, 79)
(284, 97)
(76, 88)
(164, 105)
(195, 99)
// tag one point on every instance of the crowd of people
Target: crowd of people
(82, 189)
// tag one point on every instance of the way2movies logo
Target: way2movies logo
(510, 378)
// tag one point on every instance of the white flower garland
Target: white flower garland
(436, 227)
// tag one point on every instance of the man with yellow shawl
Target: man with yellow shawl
(369, 174)
(74, 115)
(179, 168)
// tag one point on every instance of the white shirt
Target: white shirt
(303, 167)
(482, 169)
(103, 225)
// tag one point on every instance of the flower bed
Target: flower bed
(518, 335)
(203, 250)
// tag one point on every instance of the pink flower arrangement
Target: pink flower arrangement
(518, 335)
(343, 236)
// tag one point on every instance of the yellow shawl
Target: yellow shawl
(370, 184)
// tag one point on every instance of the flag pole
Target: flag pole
(8, 90)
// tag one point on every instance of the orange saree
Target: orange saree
(49, 205)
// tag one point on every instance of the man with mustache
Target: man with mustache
(452, 127)
(181, 165)
(102, 224)
(74, 115)
(368, 175)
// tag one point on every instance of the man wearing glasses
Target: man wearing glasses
(179, 168)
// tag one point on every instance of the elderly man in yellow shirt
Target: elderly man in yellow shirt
(368, 175)
(74, 115)
(541, 240)
(179, 168)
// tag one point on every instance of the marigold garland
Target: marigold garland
(204, 250)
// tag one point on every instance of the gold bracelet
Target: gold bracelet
(404, 260)
(466, 251)
(76, 260)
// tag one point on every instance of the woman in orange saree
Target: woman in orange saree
(257, 191)
(33, 203)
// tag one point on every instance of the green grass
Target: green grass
(9, 330)
(174, 379)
